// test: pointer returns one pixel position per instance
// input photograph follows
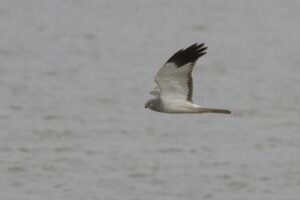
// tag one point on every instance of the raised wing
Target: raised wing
(175, 77)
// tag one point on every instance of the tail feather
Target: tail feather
(213, 110)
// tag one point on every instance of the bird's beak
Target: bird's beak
(146, 106)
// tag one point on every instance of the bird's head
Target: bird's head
(153, 104)
(148, 104)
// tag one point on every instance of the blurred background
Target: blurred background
(74, 76)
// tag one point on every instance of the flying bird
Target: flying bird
(175, 84)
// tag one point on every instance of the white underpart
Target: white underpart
(180, 106)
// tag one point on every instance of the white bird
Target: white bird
(175, 84)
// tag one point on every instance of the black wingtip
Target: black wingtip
(188, 55)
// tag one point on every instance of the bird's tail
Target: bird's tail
(213, 110)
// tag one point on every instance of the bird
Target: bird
(175, 84)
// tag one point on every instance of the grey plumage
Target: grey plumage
(155, 104)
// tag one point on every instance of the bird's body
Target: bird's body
(181, 107)
(175, 84)
(171, 106)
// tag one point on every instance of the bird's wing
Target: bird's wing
(155, 92)
(175, 77)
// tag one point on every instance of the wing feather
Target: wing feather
(175, 77)
(155, 92)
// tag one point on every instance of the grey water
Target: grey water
(74, 76)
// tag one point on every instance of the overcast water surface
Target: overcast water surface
(74, 76)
